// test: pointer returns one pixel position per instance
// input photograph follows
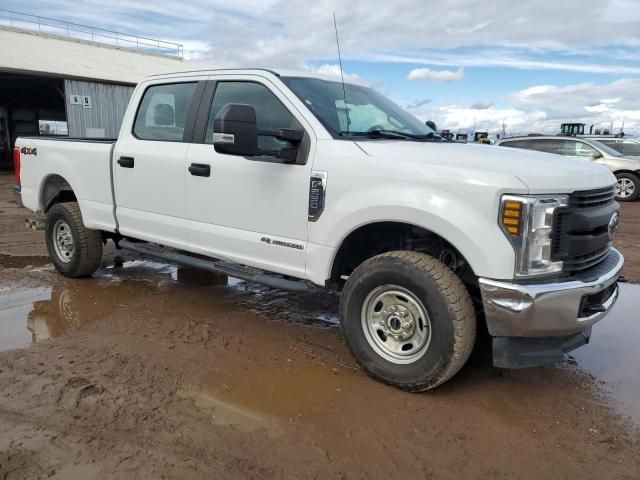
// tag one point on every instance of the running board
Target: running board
(218, 266)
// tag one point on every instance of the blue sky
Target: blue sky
(529, 64)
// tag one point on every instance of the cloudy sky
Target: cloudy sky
(463, 63)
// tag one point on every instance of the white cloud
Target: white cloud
(482, 105)
(542, 108)
(447, 76)
(292, 33)
(333, 70)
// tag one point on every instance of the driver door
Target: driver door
(252, 210)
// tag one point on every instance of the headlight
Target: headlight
(528, 223)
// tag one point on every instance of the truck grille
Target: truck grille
(593, 198)
(581, 230)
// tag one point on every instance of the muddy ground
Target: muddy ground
(150, 371)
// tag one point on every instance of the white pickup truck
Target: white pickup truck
(298, 182)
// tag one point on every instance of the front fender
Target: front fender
(469, 224)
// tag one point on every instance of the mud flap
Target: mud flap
(524, 352)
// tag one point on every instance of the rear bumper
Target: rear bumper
(544, 320)
(17, 193)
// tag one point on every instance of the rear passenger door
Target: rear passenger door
(149, 162)
(252, 210)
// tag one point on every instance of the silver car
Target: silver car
(625, 168)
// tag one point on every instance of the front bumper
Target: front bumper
(559, 314)
(17, 193)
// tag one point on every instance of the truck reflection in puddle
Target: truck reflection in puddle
(51, 311)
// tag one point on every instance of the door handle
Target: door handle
(200, 170)
(126, 162)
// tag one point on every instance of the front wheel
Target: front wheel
(75, 251)
(408, 320)
(627, 187)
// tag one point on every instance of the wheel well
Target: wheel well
(376, 238)
(56, 190)
(632, 172)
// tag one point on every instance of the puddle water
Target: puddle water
(35, 314)
(612, 355)
(15, 307)
(11, 261)
(289, 392)
(31, 315)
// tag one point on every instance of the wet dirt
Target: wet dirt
(151, 371)
(26, 261)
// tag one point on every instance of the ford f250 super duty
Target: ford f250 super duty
(296, 182)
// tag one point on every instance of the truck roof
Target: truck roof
(277, 72)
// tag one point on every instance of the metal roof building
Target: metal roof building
(60, 78)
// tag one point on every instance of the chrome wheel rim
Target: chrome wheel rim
(63, 241)
(396, 324)
(625, 188)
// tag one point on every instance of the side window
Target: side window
(584, 150)
(162, 114)
(270, 112)
(516, 144)
(550, 145)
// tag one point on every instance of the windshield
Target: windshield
(625, 147)
(606, 149)
(365, 109)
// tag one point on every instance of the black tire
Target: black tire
(635, 184)
(87, 244)
(447, 303)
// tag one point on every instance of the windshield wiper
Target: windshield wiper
(392, 134)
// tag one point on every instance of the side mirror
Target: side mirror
(235, 131)
(596, 155)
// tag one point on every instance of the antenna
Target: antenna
(344, 90)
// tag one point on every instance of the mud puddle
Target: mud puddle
(31, 315)
(290, 391)
(612, 355)
(36, 314)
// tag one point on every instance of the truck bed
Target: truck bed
(85, 164)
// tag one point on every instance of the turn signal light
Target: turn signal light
(512, 217)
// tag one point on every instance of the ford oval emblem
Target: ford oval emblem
(613, 225)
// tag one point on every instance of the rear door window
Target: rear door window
(162, 114)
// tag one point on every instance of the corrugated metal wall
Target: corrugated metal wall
(108, 105)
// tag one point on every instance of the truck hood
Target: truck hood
(540, 172)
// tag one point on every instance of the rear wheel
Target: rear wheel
(74, 250)
(627, 187)
(408, 320)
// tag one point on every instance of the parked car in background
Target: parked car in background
(626, 169)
